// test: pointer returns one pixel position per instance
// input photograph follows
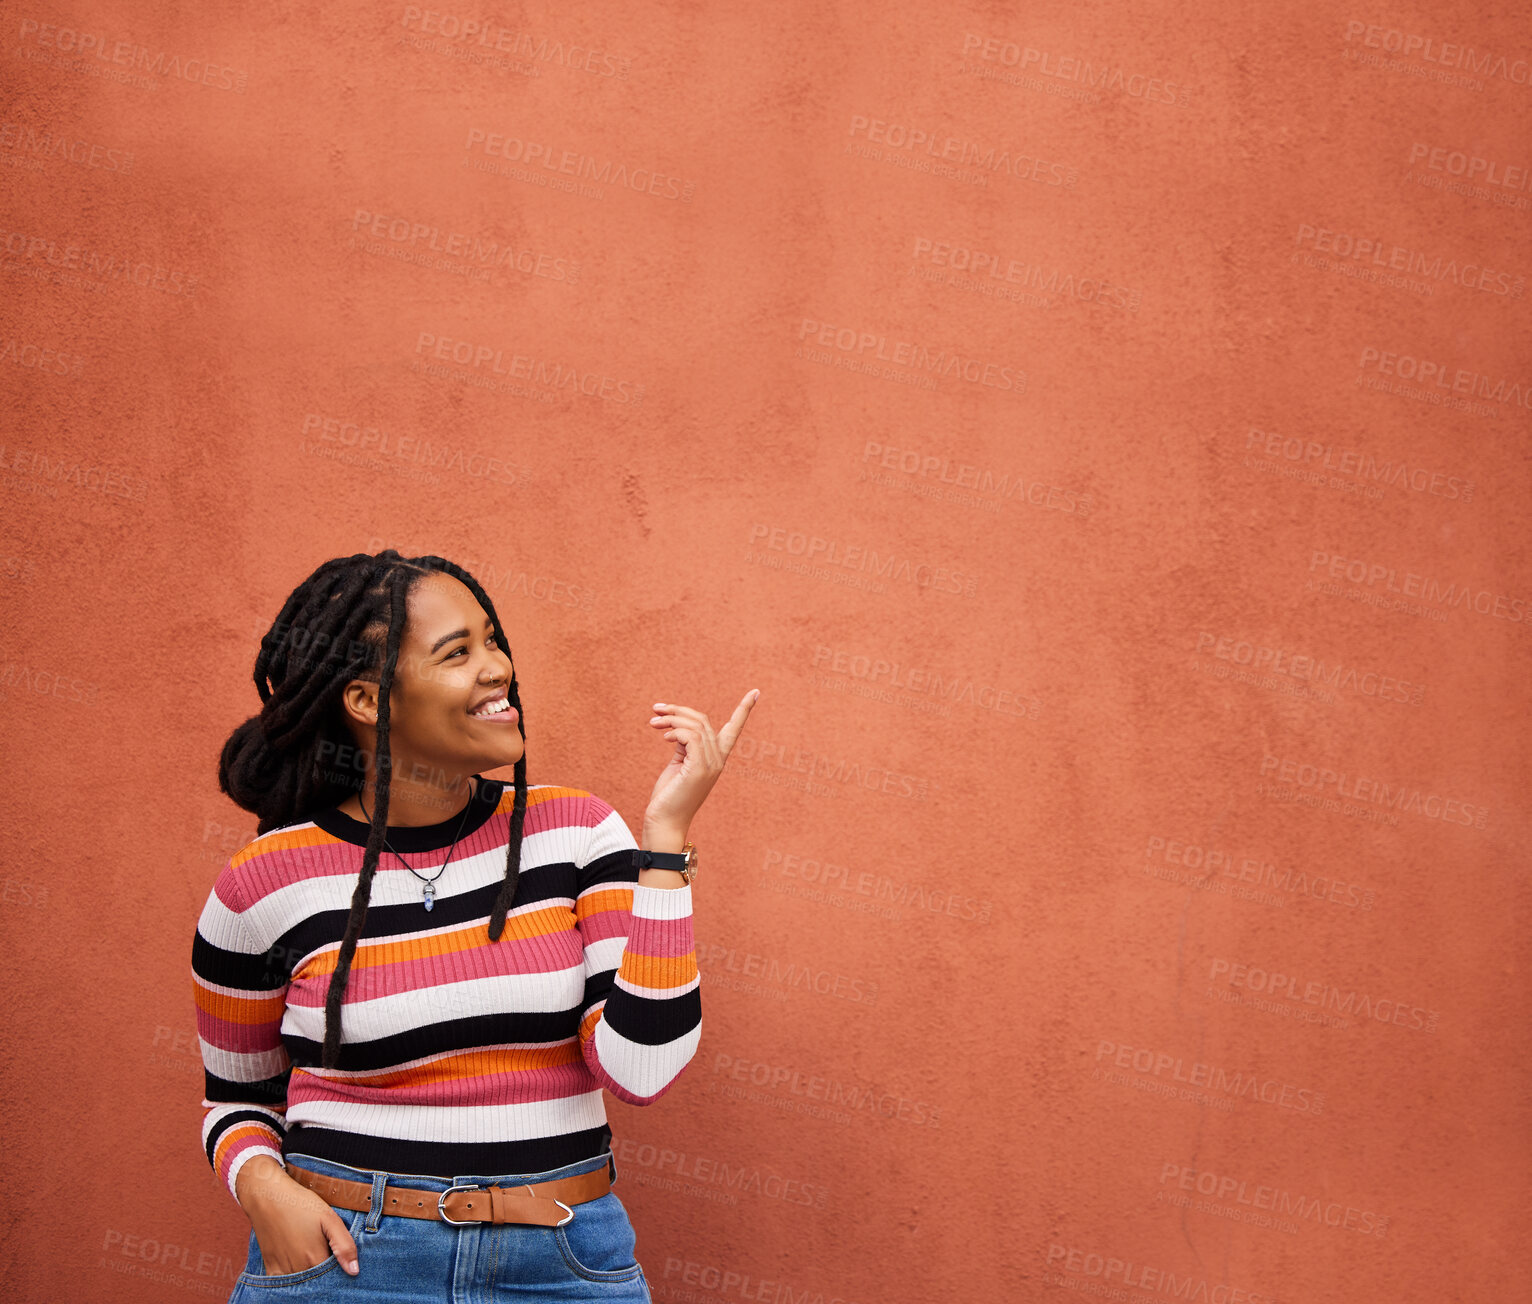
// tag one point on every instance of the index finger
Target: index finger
(736, 722)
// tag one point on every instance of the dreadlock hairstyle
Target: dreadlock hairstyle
(344, 622)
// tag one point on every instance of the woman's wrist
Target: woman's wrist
(656, 838)
(260, 1179)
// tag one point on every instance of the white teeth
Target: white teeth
(495, 708)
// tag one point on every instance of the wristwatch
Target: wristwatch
(684, 862)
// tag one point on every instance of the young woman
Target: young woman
(413, 984)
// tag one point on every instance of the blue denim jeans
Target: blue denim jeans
(413, 1260)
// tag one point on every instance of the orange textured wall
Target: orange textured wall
(1100, 431)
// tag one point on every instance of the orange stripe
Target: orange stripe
(613, 898)
(656, 973)
(282, 840)
(239, 1133)
(536, 923)
(589, 1022)
(508, 797)
(240, 1009)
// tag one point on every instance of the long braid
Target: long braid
(505, 900)
(377, 830)
(346, 621)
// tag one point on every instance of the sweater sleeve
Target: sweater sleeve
(641, 1018)
(240, 987)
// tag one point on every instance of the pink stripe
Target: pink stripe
(664, 939)
(510, 1087)
(268, 1141)
(550, 954)
(665, 934)
(243, 1038)
(552, 813)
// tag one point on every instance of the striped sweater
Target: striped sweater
(458, 1055)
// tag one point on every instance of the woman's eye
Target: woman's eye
(464, 650)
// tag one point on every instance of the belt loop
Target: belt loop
(375, 1212)
(611, 1163)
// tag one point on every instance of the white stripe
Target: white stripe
(219, 1110)
(239, 993)
(394, 885)
(651, 902)
(643, 1070)
(387, 1016)
(243, 1066)
(604, 953)
(225, 928)
(608, 834)
(656, 993)
(528, 1121)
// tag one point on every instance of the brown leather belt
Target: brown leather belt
(545, 1204)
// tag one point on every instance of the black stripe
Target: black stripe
(233, 1120)
(468, 1034)
(268, 1091)
(653, 1021)
(419, 837)
(263, 973)
(446, 1159)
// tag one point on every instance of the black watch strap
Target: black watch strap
(643, 859)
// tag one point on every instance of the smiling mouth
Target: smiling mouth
(499, 709)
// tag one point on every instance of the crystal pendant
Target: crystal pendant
(430, 895)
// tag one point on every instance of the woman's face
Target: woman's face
(450, 667)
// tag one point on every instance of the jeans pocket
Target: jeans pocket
(263, 1281)
(599, 1243)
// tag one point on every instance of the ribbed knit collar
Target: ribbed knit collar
(418, 837)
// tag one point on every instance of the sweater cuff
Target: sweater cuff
(651, 902)
(261, 1141)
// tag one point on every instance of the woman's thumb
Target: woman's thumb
(341, 1244)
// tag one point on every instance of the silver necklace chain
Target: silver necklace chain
(428, 893)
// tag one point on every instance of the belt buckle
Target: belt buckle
(568, 1212)
(468, 1186)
